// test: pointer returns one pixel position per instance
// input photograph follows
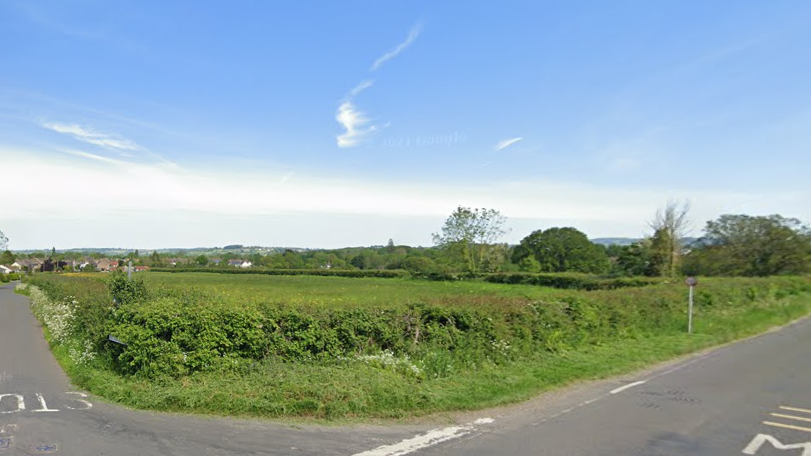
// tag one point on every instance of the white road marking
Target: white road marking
(8, 429)
(20, 402)
(628, 386)
(87, 404)
(426, 440)
(791, 417)
(760, 439)
(795, 409)
(44, 406)
(787, 426)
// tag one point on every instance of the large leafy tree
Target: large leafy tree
(561, 250)
(470, 235)
(3, 241)
(752, 246)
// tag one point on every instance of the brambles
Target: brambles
(387, 353)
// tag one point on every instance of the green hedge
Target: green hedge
(178, 331)
(571, 281)
(378, 273)
(6, 278)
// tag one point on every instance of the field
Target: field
(301, 347)
(340, 291)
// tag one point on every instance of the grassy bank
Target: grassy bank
(243, 346)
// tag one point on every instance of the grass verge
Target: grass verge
(342, 390)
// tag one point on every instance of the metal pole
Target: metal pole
(129, 274)
(690, 313)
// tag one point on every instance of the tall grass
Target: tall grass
(337, 348)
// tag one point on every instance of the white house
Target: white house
(5, 269)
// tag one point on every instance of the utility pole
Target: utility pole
(691, 282)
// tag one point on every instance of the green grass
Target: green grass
(354, 391)
(341, 291)
(351, 389)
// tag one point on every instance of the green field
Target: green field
(340, 291)
(303, 347)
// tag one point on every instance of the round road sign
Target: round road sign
(691, 281)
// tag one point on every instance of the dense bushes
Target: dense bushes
(570, 281)
(6, 278)
(176, 332)
(378, 273)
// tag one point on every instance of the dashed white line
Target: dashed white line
(628, 386)
(425, 440)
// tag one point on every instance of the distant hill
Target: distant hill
(686, 242)
(615, 241)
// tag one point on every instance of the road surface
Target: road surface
(753, 397)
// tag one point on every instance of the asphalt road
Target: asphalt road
(753, 397)
(28, 370)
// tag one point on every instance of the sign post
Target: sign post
(691, 282)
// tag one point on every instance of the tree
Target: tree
(470, 233)
(634, 260)
(670, 225)
(7, 257)
(3, 241)
(155, 259)
(752, 246)
(561, 250)
(201, 260)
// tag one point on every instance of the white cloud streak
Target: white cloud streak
(412, 35)
(355, 123)
(359, 88)
(507, 143)
(93, 137)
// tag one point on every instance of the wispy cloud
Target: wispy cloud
(359, 88)
(357, 126)
(79, 153)
(412, 35)
(501, 145)
(355, 123)
(93, 137)
(213, 198)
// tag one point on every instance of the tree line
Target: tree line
(732, 245)
(469, 243)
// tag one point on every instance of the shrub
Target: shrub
(571, 280)
(176, 331)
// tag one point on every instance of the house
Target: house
(5, 269)
(106, 265)
(28, 264)
(177, 261)
(141, 268)
(240, 264)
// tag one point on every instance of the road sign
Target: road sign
(691, 281)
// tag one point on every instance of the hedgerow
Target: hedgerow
(570, 280)
(173, 332)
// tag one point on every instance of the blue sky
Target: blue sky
(326, 124)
